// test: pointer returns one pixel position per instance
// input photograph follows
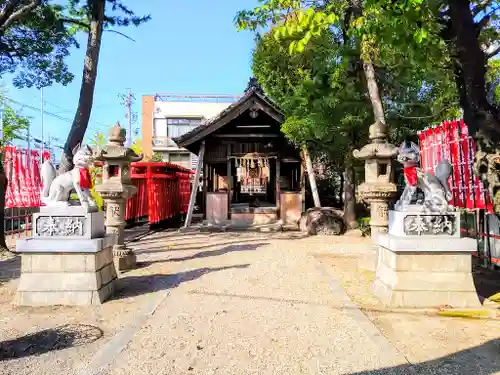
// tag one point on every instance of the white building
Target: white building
(165, 116)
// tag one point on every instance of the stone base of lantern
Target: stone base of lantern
(124, 259)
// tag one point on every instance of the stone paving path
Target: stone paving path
(244, 304)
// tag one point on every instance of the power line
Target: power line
(33, 108)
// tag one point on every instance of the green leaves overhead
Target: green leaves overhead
(34, 43)
(36, 36)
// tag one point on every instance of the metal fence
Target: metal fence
(18, 223)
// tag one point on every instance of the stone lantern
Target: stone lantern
(115, 189)
(378, 189)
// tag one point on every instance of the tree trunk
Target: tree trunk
(350, 194)
(482, 118)
(369, 70)
(312, 177)
(82, 116)
(341, 192)
(373, 91)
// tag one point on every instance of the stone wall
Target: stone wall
(66, 278)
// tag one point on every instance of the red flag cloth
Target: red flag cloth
(411, 175)
(85, 179)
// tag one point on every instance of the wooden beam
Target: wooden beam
(230, 114)
(312, 177)
(228, 188)
(196, 183)
(278, 188)
(205, 186)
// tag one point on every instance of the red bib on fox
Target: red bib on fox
(85, 179)
(411, 175)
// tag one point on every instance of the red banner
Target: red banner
(23, 173)
(451, 140)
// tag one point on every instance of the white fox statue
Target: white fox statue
(56, 190)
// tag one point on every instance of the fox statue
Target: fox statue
(56, 190)
(437, 194)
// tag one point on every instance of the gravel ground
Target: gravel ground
(441, 345)
(256, 306)
(239, 303)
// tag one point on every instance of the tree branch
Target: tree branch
(122, 34)
(15, 15)
(76, 22)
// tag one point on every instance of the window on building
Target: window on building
(160, 127)
(169, 128)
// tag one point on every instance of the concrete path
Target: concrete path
(245, 304)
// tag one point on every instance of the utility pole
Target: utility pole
(41, 116)
(49, 147)
(128, 100)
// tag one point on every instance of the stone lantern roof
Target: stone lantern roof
(379, 148)
(114, 149)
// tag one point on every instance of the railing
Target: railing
(163, 194)
(451, 140)
(199, 98)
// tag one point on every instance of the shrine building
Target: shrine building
(251, 173)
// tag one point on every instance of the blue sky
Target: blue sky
(188, 46)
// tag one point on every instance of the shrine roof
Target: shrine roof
(253, 97)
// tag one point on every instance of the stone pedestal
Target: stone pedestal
(62, 272)
(68, 222)
(426, 270)
(125, 260)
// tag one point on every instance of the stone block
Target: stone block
(64, 281)
(62, 278)
(26, 263)
(125, 262)
(97, 261)
(58, 245)
(107, 273)
(398, 223)
(429, 244)
(425, 262)
(68, 224)
(418, 277)
(69, 298)
(424, 298)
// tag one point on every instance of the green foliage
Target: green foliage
(364, 226)
(156, 157)
(98, 140)
(94, 172)
(137, 146)
(34, 42)
(13, 125)
(323, 94)
(493, 79)
(79, 14)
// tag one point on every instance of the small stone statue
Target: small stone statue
(56, 190)
(437, 194)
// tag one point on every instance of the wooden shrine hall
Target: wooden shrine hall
(251, 173)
